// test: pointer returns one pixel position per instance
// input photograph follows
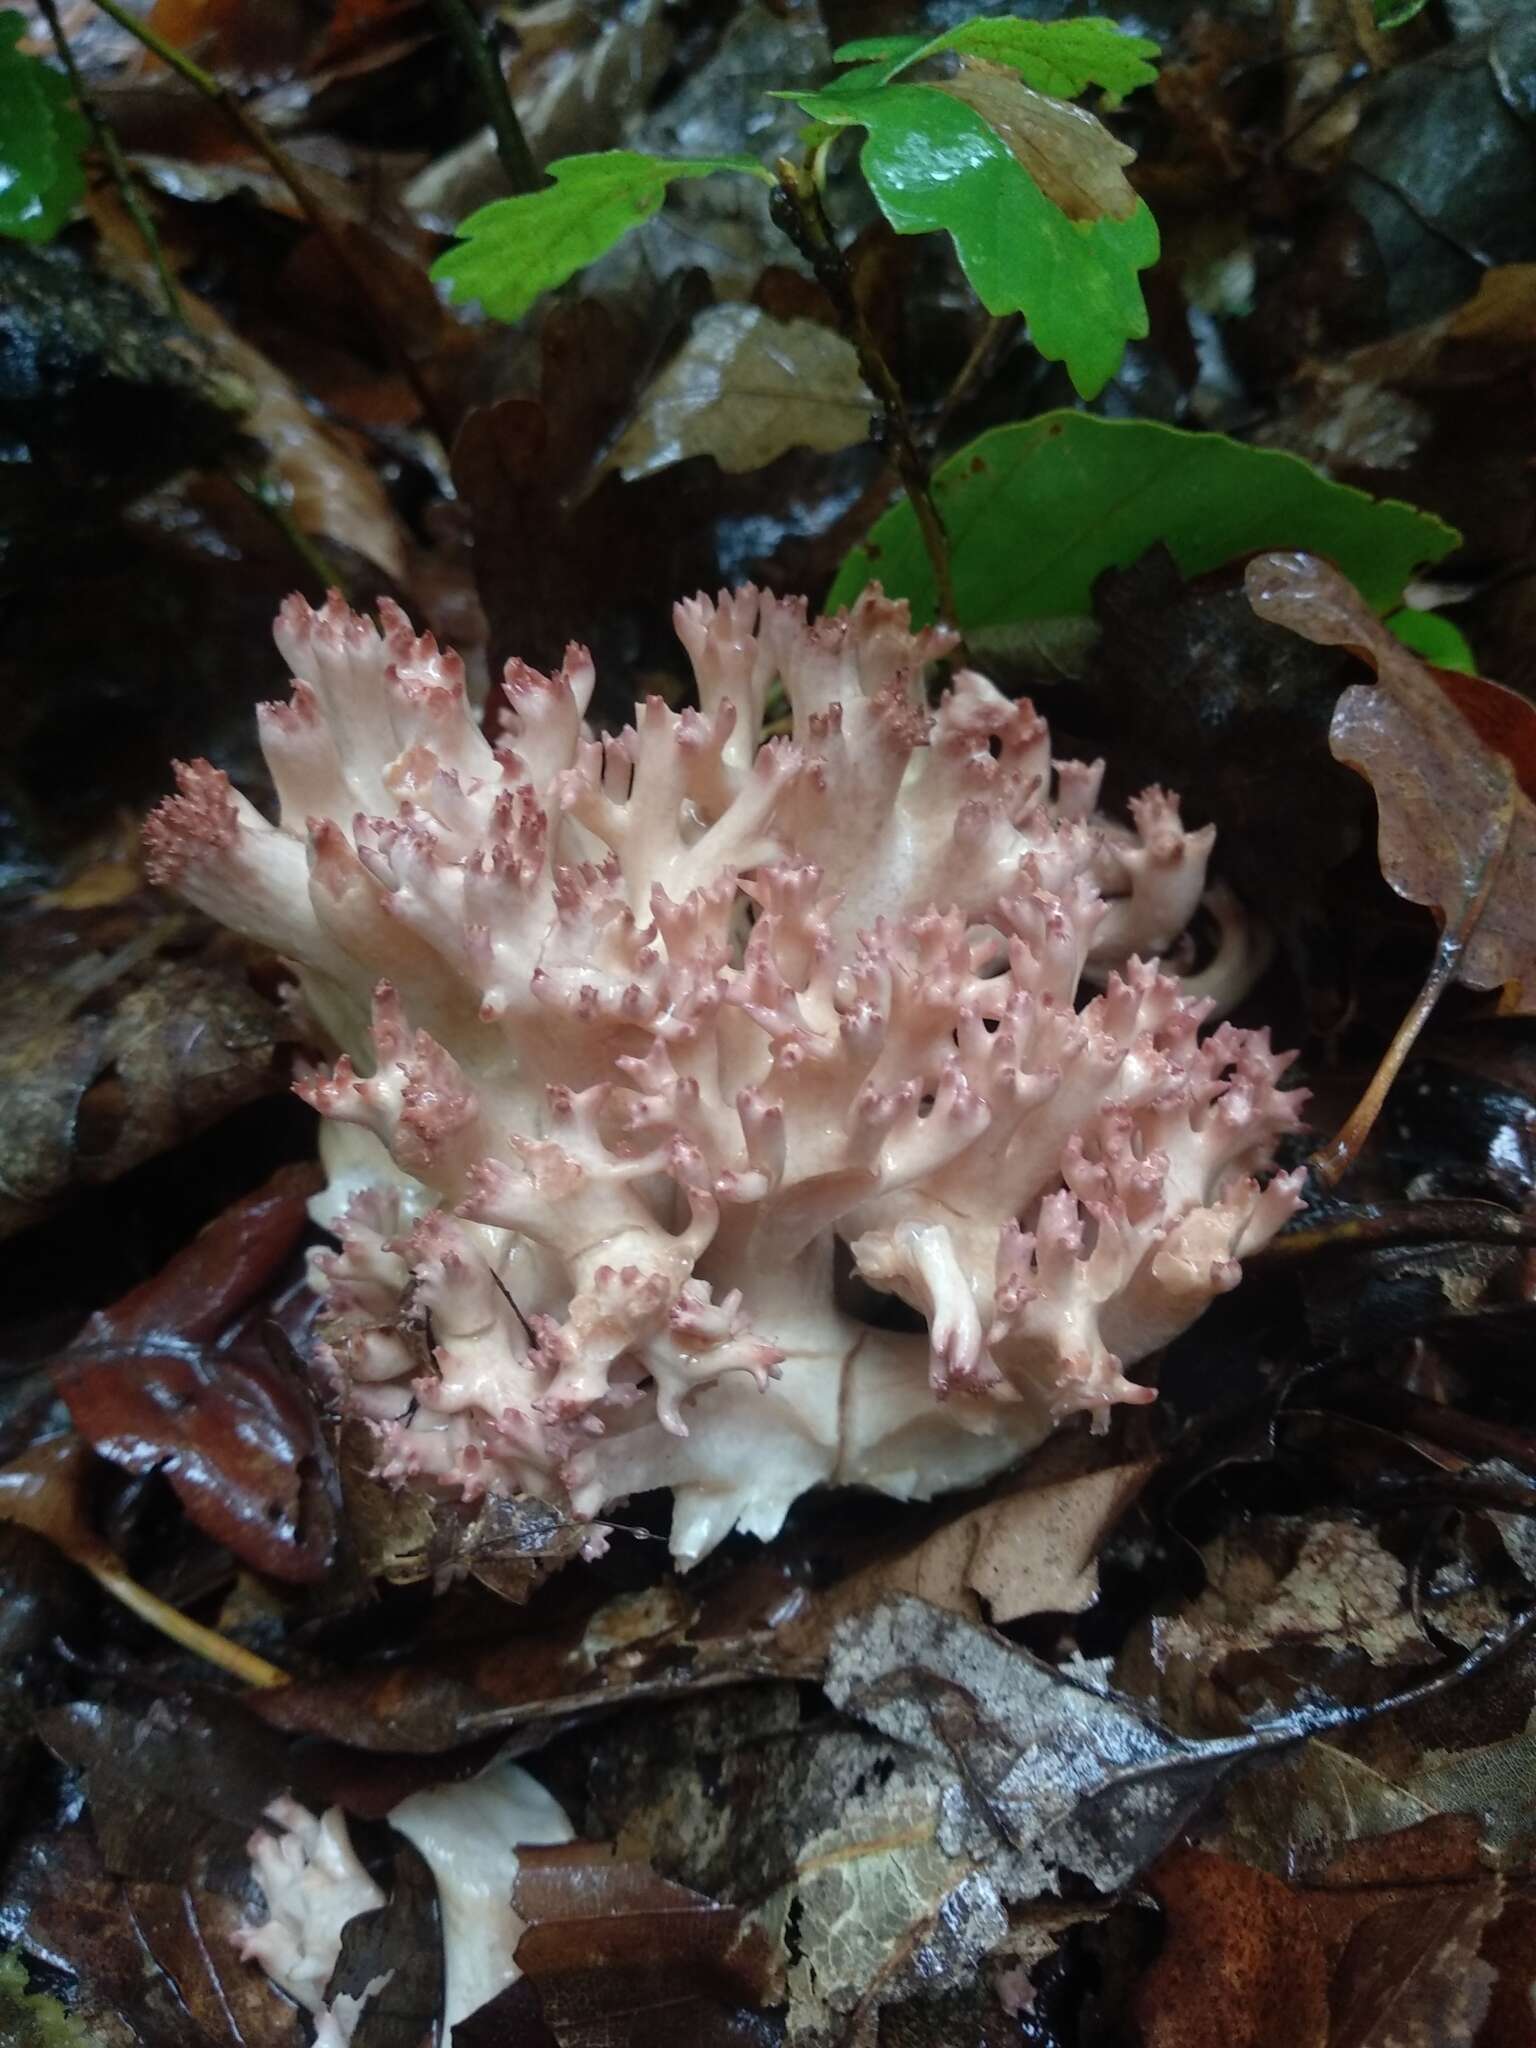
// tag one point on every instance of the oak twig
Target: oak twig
(798, 211)
(474, 47)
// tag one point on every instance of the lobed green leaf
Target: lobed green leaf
(1434, 638)
(42, 139)
(1035, 512)
(932, 162)
(513, 250)
(1062, 58)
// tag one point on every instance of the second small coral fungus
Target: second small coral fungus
(670, 1029)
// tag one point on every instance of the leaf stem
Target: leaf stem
(1332, 1161)
(474, 46)
(307, 200)
(265, 491)
(798, 210)
(203, 1642)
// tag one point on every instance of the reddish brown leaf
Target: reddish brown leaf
(1457, 833)
(1242, 1965)
(237, 1436)
(44, 1490)
(1411, 1976)
(1502, 719)
(201, 1291)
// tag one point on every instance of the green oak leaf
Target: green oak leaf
(1035, 512)
(933, 162)
(1062, 58)
(42, 138)
(1434, 637)
(513, 250)
(1393, 14)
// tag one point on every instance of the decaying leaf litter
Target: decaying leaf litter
(1216, 1728)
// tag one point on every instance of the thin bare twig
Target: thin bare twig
(262, 490)
(474, 46)
(309, 204)
(117, 164)
(798, 210)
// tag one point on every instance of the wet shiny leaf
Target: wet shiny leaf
(1106, 491)
(236, 1434)
(1457, 833)
(42, 138)
(934, 162)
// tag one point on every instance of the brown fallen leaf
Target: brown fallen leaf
(236, 1435)
(44, 1491)
(1032, 1552)
(1510, 1945)
(660, 1644)
(116, 1042)
(1411, 1976)
(744, 388)
(199, 1293)
(1456, 832)
(615, 1952)
(1242, 1964)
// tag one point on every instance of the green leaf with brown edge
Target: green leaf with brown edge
(1036, 511)
(42, 138)
(934, 161)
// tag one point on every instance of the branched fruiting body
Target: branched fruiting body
(644, 1026)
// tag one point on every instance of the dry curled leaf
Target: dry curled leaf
(1457, 833)
(744, 388)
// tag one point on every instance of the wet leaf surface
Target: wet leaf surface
(236, 1433)
(745, 388)
(1457, 833)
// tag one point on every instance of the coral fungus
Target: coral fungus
(662, 1023)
